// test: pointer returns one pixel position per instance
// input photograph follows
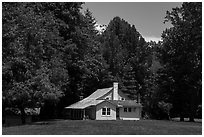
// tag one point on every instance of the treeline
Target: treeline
(52, 54)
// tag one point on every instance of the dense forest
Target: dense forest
(52, 54)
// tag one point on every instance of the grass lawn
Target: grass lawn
(87, 127)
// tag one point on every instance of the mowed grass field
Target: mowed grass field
(119, 127)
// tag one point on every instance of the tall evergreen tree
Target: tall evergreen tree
(123, 46)
(129, 82)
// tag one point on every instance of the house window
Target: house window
(134, 109)
(108, 111)
(105, 111)
(125, 109)
(129, 110)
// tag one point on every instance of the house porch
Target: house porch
(81, 114)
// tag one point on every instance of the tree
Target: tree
(180, 55)
(123, 46)
(166, 107)
(91, 65)
(130, 84)
(31, 56)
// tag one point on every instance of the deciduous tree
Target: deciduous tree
(181, 56)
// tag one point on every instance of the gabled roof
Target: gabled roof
(90, 100)
(125, 103)
(84, 103)
(99, 93)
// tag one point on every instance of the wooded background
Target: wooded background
(52, 54)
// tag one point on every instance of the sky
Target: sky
(148, 17)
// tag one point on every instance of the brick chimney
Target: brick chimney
(115, 91)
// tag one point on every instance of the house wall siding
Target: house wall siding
(99, 115)
(133, 115)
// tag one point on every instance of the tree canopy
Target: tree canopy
(181, 57)
(52, 54)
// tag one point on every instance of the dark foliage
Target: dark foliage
(52, 54)
(181, 56)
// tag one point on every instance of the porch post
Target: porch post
(74, 115)
(70, 114)
(78, 114)
(84, 115)
(81, 114)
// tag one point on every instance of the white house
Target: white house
(106, 104)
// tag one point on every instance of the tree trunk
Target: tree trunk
(193, 105)
(181, 118)
(3, 114)
(181, 115)
(182, 111)
(191, 119)
(169, 117)
(192, 113)
(23, 116)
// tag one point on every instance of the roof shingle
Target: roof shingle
(90, 100)
(125, 103)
